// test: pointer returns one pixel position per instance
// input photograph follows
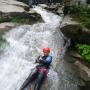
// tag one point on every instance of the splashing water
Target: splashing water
(24, 44)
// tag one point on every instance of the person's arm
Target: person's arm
(47, 61)
(38, 59)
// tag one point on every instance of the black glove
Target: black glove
(39, 58)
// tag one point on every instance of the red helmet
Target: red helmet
(46, 50)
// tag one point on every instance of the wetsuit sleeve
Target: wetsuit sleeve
(47, 61)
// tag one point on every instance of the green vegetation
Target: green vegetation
(21, 18)
(84, 51)
(18, 19)
(1, 19)
(81, 14)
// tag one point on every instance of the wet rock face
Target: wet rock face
(83, 68)
(84, 71)
(4, 26)
(12, 9)
(41, 1)
(76, 34)
(30, 17)
(12, 6)
(57, 8)
(78, 69)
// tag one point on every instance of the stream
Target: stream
(24, 44)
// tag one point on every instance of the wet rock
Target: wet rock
(11, 6)
(74, 54)
(41, 1)
(43, 5)
(26, 16)
(76, 33)
(60, 11)
(4, 26)
(84, 71)
(81, 70)
(86, 87)
(16, 11)
(67, 20)
(35, 17)
(55, 8)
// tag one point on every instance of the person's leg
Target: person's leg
(40, 81)
(34, 75)
(30, 79)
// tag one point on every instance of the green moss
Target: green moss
(81, 14)
(84, 50)
(1, 19)
(26, 19)
(18, 19)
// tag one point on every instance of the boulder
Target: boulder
(67, 20)
(7, 6)
(55, 8)
(40, 1)
(12, 10)
(7, 25)
(84, 71)
(76, 33)
(74, 54)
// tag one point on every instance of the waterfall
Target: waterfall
(24, 44)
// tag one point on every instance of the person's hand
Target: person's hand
(38, 59)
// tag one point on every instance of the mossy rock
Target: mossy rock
(24, 17)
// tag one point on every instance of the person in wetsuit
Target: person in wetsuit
(44, 62)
